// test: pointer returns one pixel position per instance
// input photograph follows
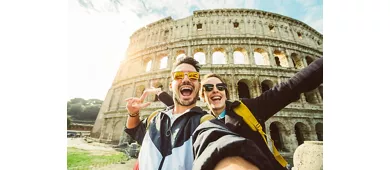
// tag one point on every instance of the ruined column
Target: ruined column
(304, 60)
(288, 56)
(271, 57)
(250, 55)
(209, 55)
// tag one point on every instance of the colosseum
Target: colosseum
(252, 49)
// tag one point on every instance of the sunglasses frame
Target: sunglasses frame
(196, 74)
(218, 86)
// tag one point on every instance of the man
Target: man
(229, 137)
(166, 137)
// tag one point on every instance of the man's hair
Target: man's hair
(186, 60)
(216, 76)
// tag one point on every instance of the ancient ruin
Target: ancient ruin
(253, 50)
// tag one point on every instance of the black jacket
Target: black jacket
(233, 132)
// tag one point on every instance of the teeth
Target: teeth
(216, 98)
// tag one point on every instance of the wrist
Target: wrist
(134, 114)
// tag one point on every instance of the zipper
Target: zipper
(168, 134)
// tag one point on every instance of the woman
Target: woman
(215, 93)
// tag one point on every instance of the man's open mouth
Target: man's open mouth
(186, 91)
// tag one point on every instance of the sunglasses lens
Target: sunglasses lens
(221, 87)
(193, 75)
(208, 87)
(178, 75)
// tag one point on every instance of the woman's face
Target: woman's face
(215, 94)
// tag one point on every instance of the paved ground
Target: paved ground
(128, 165)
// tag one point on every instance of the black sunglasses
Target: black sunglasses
(210, 87)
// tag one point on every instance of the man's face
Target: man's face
(185, 90)
(214, 98)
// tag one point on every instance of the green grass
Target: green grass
(81, 158)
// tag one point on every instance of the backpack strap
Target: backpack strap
(206, 117)
(151, 116)
(252, 122)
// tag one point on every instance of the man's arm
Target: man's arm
(134, 127)
(278, 97)
(162, 95)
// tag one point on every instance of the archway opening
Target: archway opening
(310, 97)
(300, 132)
(243, 90)
(282, 58)
(276, 136)
(219, 56)
(164, 62)
(240, 56)
(298, 64)
(261, 57)
(319, 131)
(266, 85)
(308, 60)
(277, 61)
(200, 57)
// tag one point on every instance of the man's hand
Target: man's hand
(135, 104)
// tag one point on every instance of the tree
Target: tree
(94, 102)
(78, 100)
(90, 112)
(68, 122)
(76, 109)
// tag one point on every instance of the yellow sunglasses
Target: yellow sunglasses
(180, 75)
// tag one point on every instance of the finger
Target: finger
(143, 96)
(130, 98)
(144, 104)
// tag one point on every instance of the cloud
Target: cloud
(313, 13)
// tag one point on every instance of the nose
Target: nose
(215, 89)
(186, 78)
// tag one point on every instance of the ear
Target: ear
(170, 86)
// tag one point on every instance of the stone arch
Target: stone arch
(261, 57)
(266, 85)
(320, 89)
(200, 55)
(116, 127)
(311, 97)
(240, 56)
(319, 131)
(219, 56)
(302, 132)
(148, 64)
(243, 88)
(179, 54)
(163, 61)
(139, 90)
(297, 61)
(277, 133)
(280, 58)
(309, 59)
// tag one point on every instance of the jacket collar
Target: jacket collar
(232, 120)
(196, 110)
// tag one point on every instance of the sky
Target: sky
(99, 31)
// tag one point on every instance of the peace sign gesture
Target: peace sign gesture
(135, 104)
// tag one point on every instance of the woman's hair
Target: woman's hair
(201, 95)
